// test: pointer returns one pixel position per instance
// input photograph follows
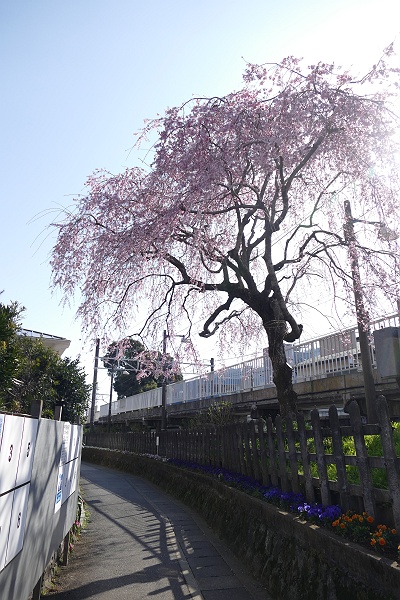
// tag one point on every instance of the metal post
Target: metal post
(65, 550)
(362, 316)
(36, 409)
(36, 594)
(94, 387)
(58, 412)
(164, 388)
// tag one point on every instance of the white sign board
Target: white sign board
(9, 452)
(18, 521)
(6, 503)
(18, 440)
(28, 444)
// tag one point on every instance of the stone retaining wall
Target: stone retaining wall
(295, 560)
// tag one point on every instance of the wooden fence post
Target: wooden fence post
(272, 453)
(263, 452)
(255, 452)
(305, 458)
(241, 464)
(321, 459)
(247, 450)
(362, 459)
(294, 469)
(339, 459)
(281, 455)
(391, 460)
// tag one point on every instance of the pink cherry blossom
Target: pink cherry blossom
(240, 215)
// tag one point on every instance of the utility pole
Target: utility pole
(94, 387)
(110, 400)
(362, 315)
(164, 388)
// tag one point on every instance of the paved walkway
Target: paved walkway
(142, 543)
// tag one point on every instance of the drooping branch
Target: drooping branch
(206, 332)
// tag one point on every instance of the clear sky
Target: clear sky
(79, 77)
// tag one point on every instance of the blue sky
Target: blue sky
(79, 78)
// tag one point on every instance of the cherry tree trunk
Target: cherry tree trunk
(282, 372)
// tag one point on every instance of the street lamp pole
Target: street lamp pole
(362, 316)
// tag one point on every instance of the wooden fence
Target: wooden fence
(293, 455)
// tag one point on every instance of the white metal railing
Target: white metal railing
(336, 353)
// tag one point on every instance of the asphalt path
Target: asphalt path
(141, 543)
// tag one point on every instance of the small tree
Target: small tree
(71, 389)
(43, 375)
(218, 413)
(240, 215)
(35, 374)
(136, 369)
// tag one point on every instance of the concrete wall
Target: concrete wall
(295, 560)
(51, 495)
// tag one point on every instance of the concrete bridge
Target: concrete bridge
(326, 370)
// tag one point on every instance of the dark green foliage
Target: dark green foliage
(71, 389)
(35, 376)
(43, 375)
(9, 324)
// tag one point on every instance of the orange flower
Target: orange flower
(394, 531)
(373, 542)
(360, 519)
(342, 525)
(370, 519)
(382, 541)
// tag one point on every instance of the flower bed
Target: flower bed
(358, 528)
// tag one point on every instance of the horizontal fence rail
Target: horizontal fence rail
(336, 353)
(294, 455)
